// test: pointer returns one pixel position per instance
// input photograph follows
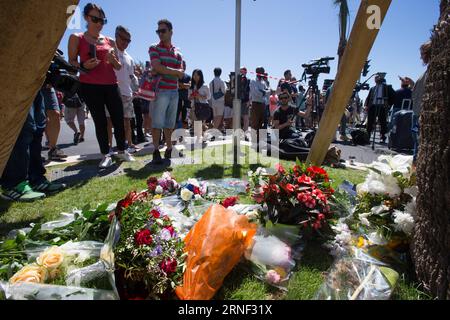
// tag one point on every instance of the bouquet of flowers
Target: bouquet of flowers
(149, 251)
(57, 265)
(297, 196)
(193, 190)
(387, 200)
(165, 185)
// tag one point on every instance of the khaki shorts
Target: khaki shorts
(128, 108)
(218, 108)
(71, 113)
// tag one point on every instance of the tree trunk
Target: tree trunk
(30, 34)
(431, 243)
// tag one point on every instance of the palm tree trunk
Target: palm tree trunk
(431, 243)
(30, 34)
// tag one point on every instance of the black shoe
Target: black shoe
(157, 157)
(81, 140)
(76, 138)
(168, 154)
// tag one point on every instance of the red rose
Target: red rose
(310, 203)
(168, 266)
(155, 214)
(196, 190)
(171, 230)
(275, 188)
(229, 202)
(143, 237)
(321, 216)
(152, 183)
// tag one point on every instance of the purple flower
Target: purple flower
(156, 252)
(165, 235)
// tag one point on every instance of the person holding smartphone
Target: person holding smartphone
(99, 88)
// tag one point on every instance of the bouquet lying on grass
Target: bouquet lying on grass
(297, 196)
(166, 185)
(72, 264)
(87, 225)
(149, 251)
(383, 218)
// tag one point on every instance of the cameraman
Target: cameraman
(24, 176)
(380, 98)
(283, 117)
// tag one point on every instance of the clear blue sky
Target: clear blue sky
(278, 35)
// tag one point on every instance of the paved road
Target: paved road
(363, 154)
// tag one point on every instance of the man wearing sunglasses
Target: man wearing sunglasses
(167, 62)
(283, 117)
(125, 77)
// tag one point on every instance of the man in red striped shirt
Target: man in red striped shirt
(166, 61)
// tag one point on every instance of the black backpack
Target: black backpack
(360, 137)
(73, 102)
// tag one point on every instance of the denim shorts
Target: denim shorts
(50, 99)
(164, 110)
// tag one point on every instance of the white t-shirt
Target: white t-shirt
(203, 91)
(219, 85)
(124, 74)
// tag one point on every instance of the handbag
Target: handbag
(202, 111)
(217, 95)
(148, 90)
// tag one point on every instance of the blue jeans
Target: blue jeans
(25, 162)
(164, 112)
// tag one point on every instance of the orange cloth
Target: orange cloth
(214, 246)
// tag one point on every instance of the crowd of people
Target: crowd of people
(111, 92)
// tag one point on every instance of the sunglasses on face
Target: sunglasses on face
(98, 20)
(161, 31)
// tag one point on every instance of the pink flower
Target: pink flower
(273, 277)
(280, 168)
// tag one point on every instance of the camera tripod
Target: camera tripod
(314, 91)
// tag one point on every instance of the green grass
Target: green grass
(239, 284)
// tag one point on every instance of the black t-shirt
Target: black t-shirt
(282, 116)
(184, 93)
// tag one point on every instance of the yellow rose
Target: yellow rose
(51, 258)
(32, 273)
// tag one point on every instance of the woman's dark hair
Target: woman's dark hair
(217, 72)
(200, 83)
(92, 6)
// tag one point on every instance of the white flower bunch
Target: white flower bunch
(388, 165)
(379, 184)
(342, 242)
(403, 222)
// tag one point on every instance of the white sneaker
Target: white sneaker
(131, 150)
(106, 162)
(125, 156)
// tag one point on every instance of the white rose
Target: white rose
(186, 194)
(159, 190)
(198, 197)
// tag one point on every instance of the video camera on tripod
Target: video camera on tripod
(60, 77)
(316, 67)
